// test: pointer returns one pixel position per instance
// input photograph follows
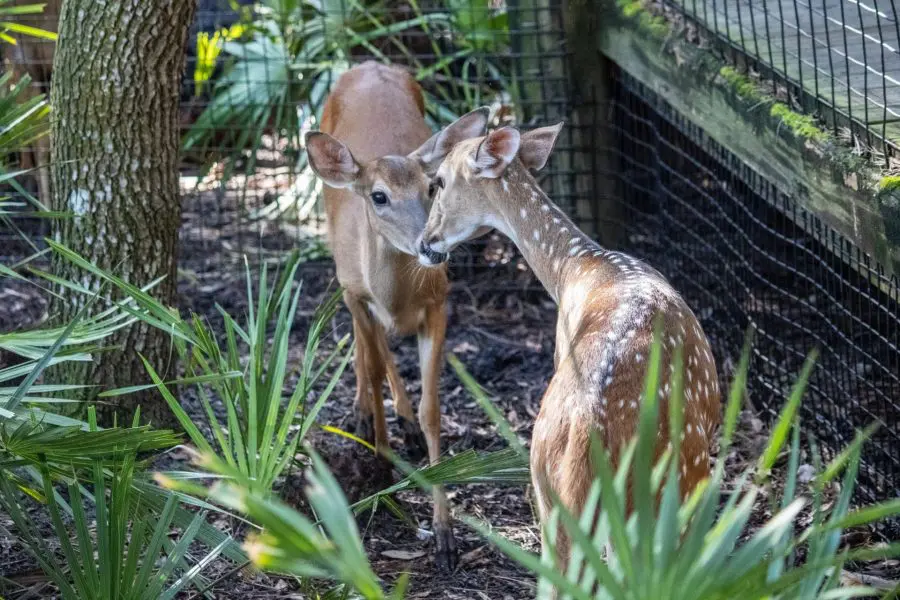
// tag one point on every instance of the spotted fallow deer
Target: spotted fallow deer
(608, 302)
(376, 202)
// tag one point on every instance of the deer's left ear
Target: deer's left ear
(470, 125)
(537, 145)
(495, 152)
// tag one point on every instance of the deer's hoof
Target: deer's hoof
(365, 428)
(383, 474)
(445, 556)
(413, 439)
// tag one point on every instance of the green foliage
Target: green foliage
(803, 126)
(742, 85)
(256, 437)
(695, 549)
(675, 549)
(292, 543)
(330, 548)
(888, 184)
(654, 25)
(208, 49)
(23, 121)
(21, 405)
(484, 30)
(8, 9)
(279, 64)
(278, 71)
(130, 555)
(36, 440)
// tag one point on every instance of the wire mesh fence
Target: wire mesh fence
(839, 59)
(746, 255)
(257, 77)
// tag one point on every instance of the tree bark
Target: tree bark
(115, 141)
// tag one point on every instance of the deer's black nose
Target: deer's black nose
(426, 251)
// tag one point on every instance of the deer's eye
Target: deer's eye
(436, 184)
(379, 198)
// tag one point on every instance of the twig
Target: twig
(497, 338)
(879, 583)
(216, 581)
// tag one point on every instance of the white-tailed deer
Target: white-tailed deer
(608, 302)
(376, 204)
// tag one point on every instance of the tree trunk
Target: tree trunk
(116, 79)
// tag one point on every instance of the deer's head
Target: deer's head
(397, 189)
(470, 182)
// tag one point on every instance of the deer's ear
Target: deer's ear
(537, 145)
(495, 152)
(331, 160)
(470, 125)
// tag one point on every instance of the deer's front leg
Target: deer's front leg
(370, 374)
(431, 359)
(413, 439)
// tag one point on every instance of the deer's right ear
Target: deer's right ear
(495, 152)
(470, 125)
(331, 160)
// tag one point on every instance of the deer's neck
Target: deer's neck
(555, 249)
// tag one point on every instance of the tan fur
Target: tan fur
(377, 112)
(607, 301)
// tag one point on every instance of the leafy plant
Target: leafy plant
(279, 70)
(208, 49)
(23, 121)
(292, 543)
(256, 435)
(8, 9)
(329, 547)
(21, 398)
(130, 556)
(280, 65)
(695, 549)
(40, 447)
